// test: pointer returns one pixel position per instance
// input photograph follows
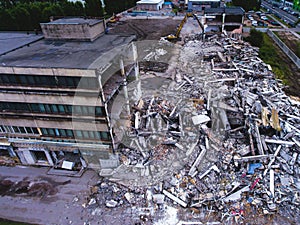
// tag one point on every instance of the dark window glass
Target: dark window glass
(78, 133)
(104, 135)
(35, 107)
(70, 133)
(54, 108)
(84, 110)
(61, 108)
(22, 130)
(12, 79)
(91, 134)
(30, 80)
(85, 134)
(62, 132)
(97, 134)
(28, 130)
(35, 130)
(47, 107)
(51, 131)
(91, 110)
(23, 80)
(43, 80)
(15, 129)
(62, 81)
(69, 109)
(44, 131)
(5, 79)
(99, 111)
(42, 108)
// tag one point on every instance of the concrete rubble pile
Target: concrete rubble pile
(245, 157)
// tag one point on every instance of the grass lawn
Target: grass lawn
(269, 54)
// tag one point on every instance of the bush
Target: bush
(256, 38)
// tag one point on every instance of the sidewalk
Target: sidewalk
(29, 195)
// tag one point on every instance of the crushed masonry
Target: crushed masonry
(243, 153)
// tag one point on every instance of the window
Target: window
(54, 108)
(91, 110)
(85, 134)
(22, 130)
(91, 134)
(51, 132)
(30, 80)
(78, 133)
(97, 135)
(44, 131)
(62, 132)
(69, 109)
(57, 132)
(42, 108)
(99, 111)
(34, 107)
(35, 130)
(105, 135)
(28, 130)
(84, 110)
(47, 107)
(77, 109)
(5, 79)
(70, 133)
(61, 109)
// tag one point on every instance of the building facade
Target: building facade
(200, 5)
(223, 19)
(150, 5)
(55, 97)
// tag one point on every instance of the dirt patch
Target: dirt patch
(34, 188)
(290, 40)
(145, 29)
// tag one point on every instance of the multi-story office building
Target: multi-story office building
(55, 94)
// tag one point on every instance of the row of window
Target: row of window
(21, 130)
(54, 132)
(81, 134)
(53, 108)
(48, 81)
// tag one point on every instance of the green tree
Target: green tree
(93, 8)
(256, 38)
(21, 17)
(7, 22)
(247, 4)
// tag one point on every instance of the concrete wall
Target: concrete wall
(72, 31)
(284, 48)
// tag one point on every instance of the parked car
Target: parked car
(254, 23)
(275, 23)
(264, 18)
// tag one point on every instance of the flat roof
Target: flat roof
(66, 54)
(75, 21)
(226, 10)
(10, 41)
(149, 1)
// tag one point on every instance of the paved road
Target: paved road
(62, 206)
(288, 17)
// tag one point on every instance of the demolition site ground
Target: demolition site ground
(210, 137)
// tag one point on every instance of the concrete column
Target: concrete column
(135, 59)
(125, 87)
(223, 22)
